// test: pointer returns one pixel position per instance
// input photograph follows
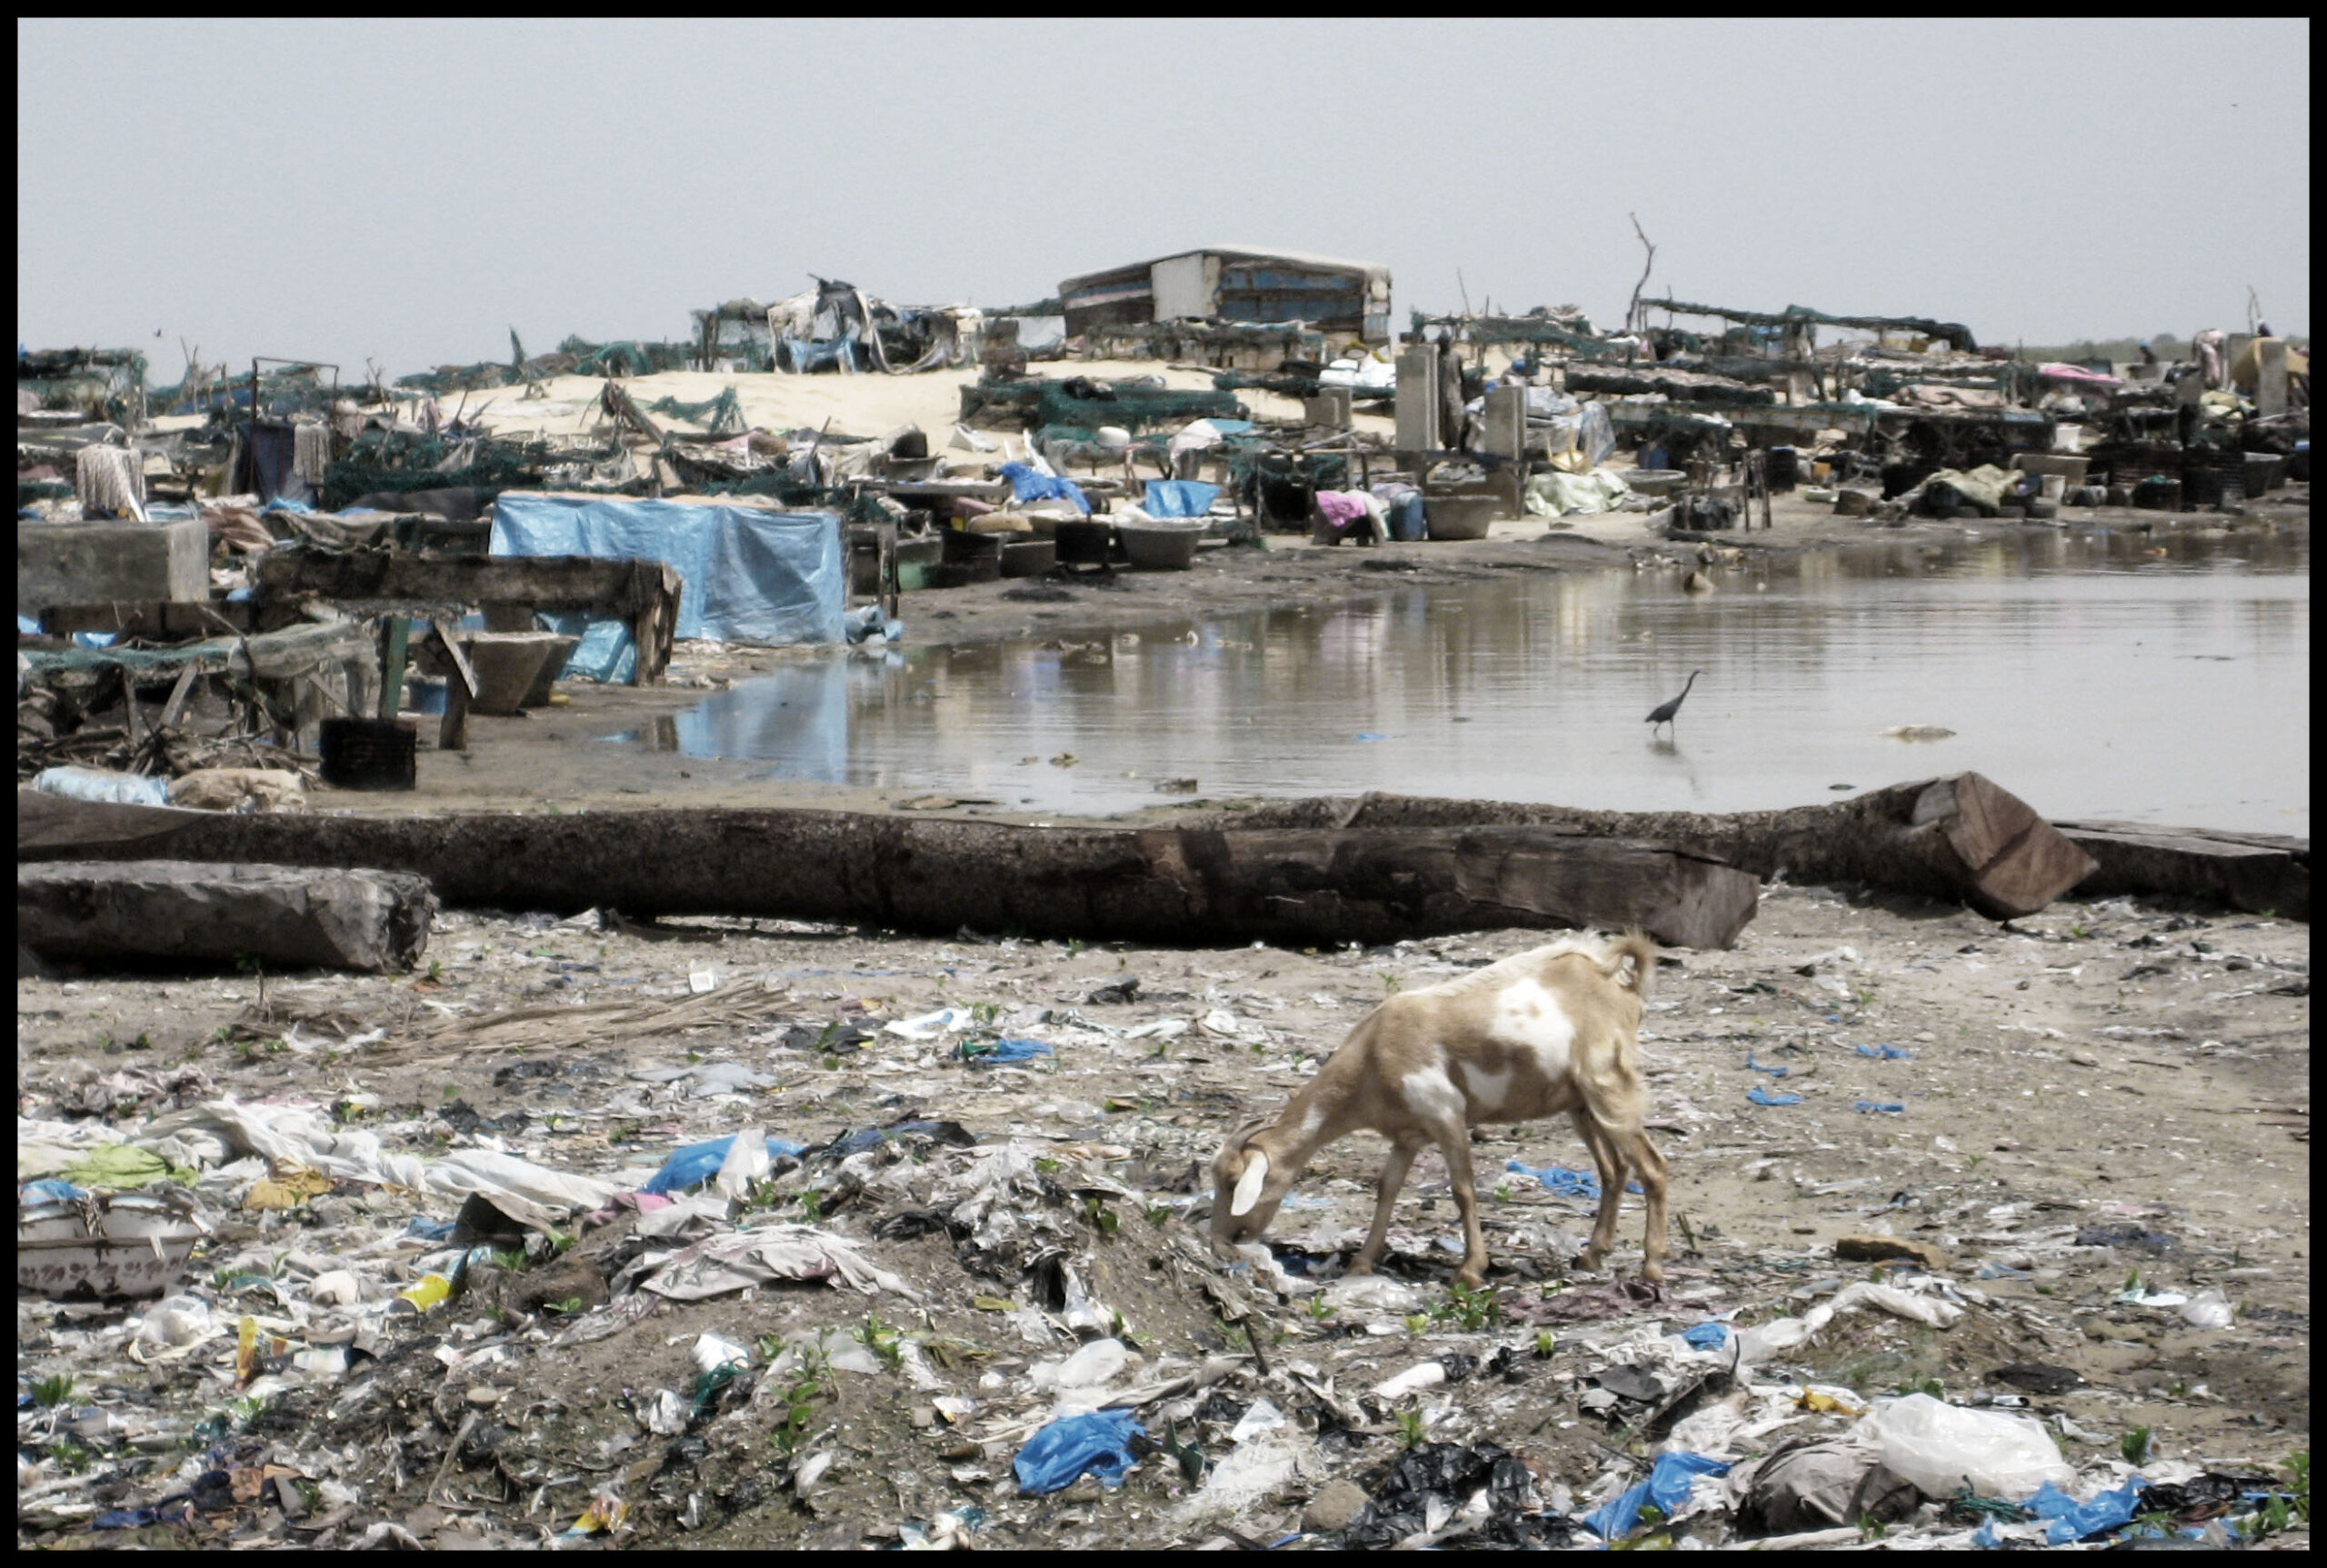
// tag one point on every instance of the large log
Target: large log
(171, 911)
(2259, 873)
(1183, 885)
(1961, 838)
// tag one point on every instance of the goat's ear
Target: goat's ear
(1249, 1186)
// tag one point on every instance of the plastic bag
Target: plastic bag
(1943, 1448)
(698, 1163)
(1098, 1442)
(2072, 1520)
(103, 785)
(2208, 1309)
(1667, 1487)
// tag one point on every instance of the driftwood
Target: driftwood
(1960, 838)
(166, 911)
(1201, 886)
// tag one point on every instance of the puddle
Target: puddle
(2086, 673)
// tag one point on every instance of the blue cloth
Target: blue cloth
(1025, 485)
(1098, 1442)
(2074, 1521)
(424, 1229)
(1667, 1486)
(763, 578)
(281, 504)
(1707, 1335)
(26, 625)
(1773, 1072)
(1883, 1052)
(698, 1163)
(96, 639)
(1179, 497)
(1871, 1106)
(1761, 1096)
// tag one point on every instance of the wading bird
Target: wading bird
(1663, 713)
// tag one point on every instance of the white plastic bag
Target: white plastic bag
(2208, 1309)
(1943, 1448)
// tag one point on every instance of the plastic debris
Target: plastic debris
(1097, 1442)
(1758, 1067)
(2208, 1309)
(1883, 1052)
(930, 1026)
(991, 1052)
(1943, 1448)
(1667, 1486)
(1560, 1182)
(1441, 1491)
(1761, 1096)
(1706, 1335)
(699, 1163)
(764, 1253)
(2068, 1519)
(1866, 1107)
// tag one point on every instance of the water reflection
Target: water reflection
(2163, 678)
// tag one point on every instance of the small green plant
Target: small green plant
(1391, 983)
(2299, 1466)
(2135, 1445)
(1410, 1428)
(1870, 1528)
(881, 1340)
(1545, 1342)
(1930, 1385)
(694, 1057)
(1320, 1310)
(1157, 1213)
(48, 1393)
(2157, 1521)
(1104, 1220)
(571, 1306)
(1122, 1330)
(1502, 1194)
(510, 1262)
(1416, 1322)
(247, 1410)
(984, 1014)
(1973, 1164)
(1688, 1233)
(435, 971)
(2080, 931)
(1472, 1310)
(70, 1457)
(1048, 1165)
(1074, 946)
(2270, 1518)
(812, 1208)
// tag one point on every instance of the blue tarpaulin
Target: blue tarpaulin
(1667, 1486)
(1179, 497)
(1026, 484)
(746, 576)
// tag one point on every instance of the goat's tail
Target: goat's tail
(1635, 946)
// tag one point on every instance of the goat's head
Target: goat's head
(1246, 1188)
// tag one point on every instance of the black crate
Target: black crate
(371, 753)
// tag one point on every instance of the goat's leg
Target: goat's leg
(1645, 1159)
(1610, 1168)
(1402, 1150)
(1454, 1142)
(1617, 1106)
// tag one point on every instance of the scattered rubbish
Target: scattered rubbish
(1758, 1067)
(1812, 1483)
(700, 1163)
(2038, 1377)
(1442, 1491)
(1563, 1182)
(1868, 1108)
(930, 1026)
(994, 1053)
(2208, 1309)
(126, 1244)
(1883, 1052)
(2067, 1520)
(1706, 1335)
(1761, 1096)
(1096, 1442)
(2125, 1235)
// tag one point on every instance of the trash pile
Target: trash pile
(468, 1260)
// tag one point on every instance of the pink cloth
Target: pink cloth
(1340, 509)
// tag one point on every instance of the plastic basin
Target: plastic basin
(1161, 546)
(1459, 516)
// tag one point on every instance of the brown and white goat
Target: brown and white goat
(1554, 1029)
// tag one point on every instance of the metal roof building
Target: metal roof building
(1235, 284)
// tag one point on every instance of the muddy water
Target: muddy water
(2096, 674)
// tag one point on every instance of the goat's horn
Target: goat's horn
(1249, 1186)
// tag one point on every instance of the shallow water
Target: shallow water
(2096, 674)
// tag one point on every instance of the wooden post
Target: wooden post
(453, 734)
(393, 660)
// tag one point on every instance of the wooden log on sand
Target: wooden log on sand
(1201, 886)
(1961, 838)
(171, 911)
(2263, 873)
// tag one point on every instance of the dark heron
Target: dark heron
(1663, 713)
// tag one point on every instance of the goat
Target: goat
(1553, 1029)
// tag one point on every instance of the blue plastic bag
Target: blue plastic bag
(2074, 1521)
(51, 1189)
(1667, 1486)
(1025, 485)
(698, 1163)
(1868, 1108)
(1563, 1182)
(1761, 1096)
(1773, 1072)
(1098, 1442)
(1706, 1335)
(1883, 1052)
(987, 1053)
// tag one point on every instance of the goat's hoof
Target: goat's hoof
(1469, 1281)
(1652, 1272)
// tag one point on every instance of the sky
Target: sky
(408, 191)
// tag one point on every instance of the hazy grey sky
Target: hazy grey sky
(410, 191)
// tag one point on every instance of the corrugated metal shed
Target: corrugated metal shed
(1235, 284)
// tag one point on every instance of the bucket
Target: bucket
(370, 753)
(1408, 525)
(1460, 516)
(1161, 546)
(2052, 486)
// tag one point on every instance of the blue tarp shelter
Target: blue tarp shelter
(747, 574)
